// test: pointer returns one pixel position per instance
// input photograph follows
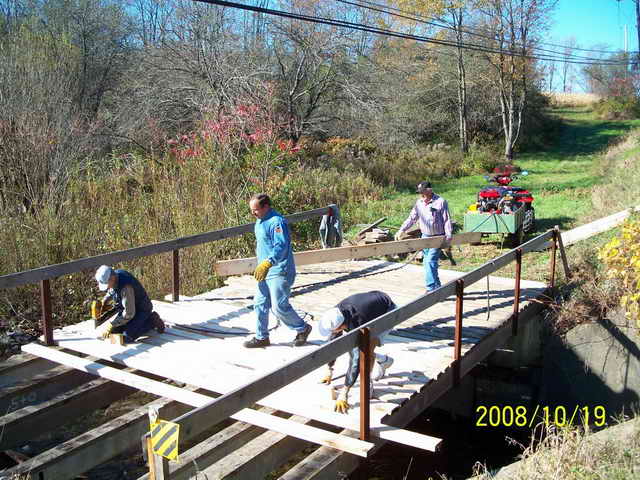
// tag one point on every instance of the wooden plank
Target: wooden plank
(593, 228)
(213, 449)
(324, 464)
(92, 448)
(259, 457)
(383, 432)
(28, 423)
(315, 435)
(414, 439)
(369, 227)
(23, 363)
(51, 271)
(39, 388)
(563, 256)
(247, 265)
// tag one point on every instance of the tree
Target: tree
(457, 15)
(456, 11)
(516, 26)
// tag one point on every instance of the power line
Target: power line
(469, 30)
(392, 33)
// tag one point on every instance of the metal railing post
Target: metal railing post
(516, 296)
(365, 382)
(457, 344)
(176, 275)
(554, 248)
(45, 302)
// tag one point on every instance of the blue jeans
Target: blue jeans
(430, 262)
(273, 293)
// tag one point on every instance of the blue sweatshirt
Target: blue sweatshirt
(273, 243)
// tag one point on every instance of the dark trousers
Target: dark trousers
(140, 324)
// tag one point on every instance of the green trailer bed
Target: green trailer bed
(494, 222)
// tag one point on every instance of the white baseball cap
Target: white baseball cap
(330, 320)
(103, 274)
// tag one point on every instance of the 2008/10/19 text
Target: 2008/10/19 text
(521, 416)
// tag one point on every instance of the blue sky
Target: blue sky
(594, 22)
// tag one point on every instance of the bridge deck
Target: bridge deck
(193, 351)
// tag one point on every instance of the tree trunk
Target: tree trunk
(462, 84)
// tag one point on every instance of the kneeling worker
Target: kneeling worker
(351, 313)
(135, 311)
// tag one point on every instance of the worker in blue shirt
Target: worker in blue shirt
(275, 274)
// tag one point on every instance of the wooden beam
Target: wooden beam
(214, 448)
(315, 435)
(25, 363)
(260, 456)
(563, 256)
(593, 228)
(30, 422)
(247, 265)
(89, 449)
(325, 464)
(51, 271)
(38, 388)
(350, 423)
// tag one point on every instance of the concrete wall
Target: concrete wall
(595, 364)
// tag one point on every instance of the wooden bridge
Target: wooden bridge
(436, 339)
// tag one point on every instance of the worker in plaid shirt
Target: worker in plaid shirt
(432, 214)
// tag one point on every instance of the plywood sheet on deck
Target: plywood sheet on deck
(421, 346)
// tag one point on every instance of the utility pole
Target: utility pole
(636, 65)
(637, 2)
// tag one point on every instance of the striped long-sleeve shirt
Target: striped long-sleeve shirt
(433, 217)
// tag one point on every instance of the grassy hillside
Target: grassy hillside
(561, 178)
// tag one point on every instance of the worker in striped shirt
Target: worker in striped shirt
(432, 214)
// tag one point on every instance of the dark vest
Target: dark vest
(143, 303)
(360, 308)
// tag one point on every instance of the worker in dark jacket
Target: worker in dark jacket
(351, 313)
(135, 315)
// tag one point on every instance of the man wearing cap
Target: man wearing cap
(135, 311)
(275, 274)
(432, 213)
(351, 313)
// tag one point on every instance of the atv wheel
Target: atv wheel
(529, 222)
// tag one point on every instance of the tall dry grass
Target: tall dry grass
(576, 454)
(572, 99)
(132, 201)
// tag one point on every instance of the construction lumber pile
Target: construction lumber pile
(376, 235)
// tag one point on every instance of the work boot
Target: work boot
(157, 322)
(381, 370)
(301, 337)
(256, 343)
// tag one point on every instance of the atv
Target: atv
(503, 208)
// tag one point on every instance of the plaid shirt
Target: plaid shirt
(433, 217)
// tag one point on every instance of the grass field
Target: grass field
(561, 179)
